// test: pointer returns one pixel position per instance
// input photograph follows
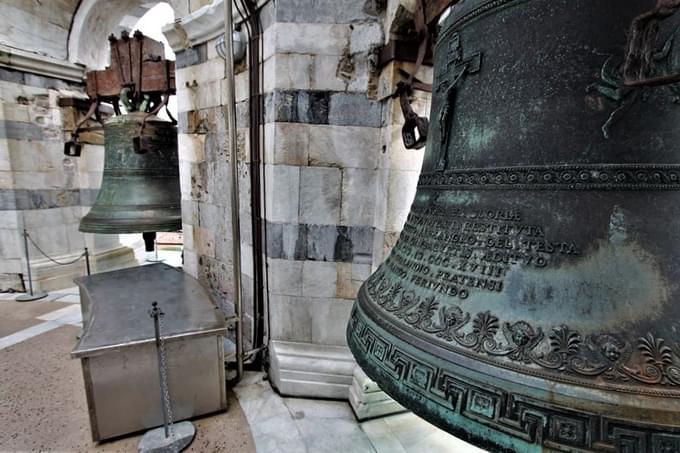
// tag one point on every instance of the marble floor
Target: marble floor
(291, 425)
(277, 424)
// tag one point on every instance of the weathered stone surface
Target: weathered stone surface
(282, 193)
(319, 279)
(297, 106)
(344, 146)
(285, 277)
(287, 241)
(354, 109)
(329, 320)
(321, 240)
(358, 196)
(365, 37)
(320, 195)
(287, 144)
(191, 56)
(302, 38)
(324, 11)
(291, 319)
(11, 282)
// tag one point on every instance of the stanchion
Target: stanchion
(31, 295)
(40, 295)
(87, 261)
(172, 437)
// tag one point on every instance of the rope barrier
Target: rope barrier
(85, 254)
(52, 259)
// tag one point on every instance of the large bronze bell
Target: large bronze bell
(140, 187)
(532, 302)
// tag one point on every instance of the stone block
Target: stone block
(319, 279)
(285, 277)
(190, 263)
(321, 242)
(287, 241)
(191, 56)
(400, 158)
(188, 237)
(292, 71)
(290, 318)
(199, 182)
(10, 266)
(9, 220)
(269, 75)
(329, 321)
(11, 244)
(14, 112)
(297, 106)
(323, 11)
(185, 179)
(190, 212)
(344, 147)
(207, 71)
(401, 192)
(191, 147)
(287, 144)
(320, 195)
(36, 28)
(354, 109)
(304, 38)
(204, 241)
(358, 196)
(324, 73)
(282, 193)
(247, 264)
(269, 42)
(345, 289)
(365, 37)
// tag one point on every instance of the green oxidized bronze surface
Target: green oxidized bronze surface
(139, 192)
(532, 300)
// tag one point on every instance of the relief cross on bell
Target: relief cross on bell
(457, 68)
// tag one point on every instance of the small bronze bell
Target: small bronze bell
(140, 188)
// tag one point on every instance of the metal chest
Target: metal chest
(118, 353)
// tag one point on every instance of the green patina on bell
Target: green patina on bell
(140, 189)
(532, 301)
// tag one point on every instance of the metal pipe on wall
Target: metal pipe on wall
(230, 110)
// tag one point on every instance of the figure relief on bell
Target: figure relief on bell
(649, 62)
(457, 67)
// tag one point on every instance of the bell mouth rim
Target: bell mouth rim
(530, 379)
(508, 389)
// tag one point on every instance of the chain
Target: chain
(164, 385)
(60, 263)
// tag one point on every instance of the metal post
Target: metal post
(87, 261)
(156, 313)
(31, 295)
(230, 111)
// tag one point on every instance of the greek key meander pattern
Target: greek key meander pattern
(563, 177)
(534, 421)
(563, 354)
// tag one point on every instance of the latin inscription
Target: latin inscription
(455, 251)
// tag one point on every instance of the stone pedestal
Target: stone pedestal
(310, 370)
(368, 401)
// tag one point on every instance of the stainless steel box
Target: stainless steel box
(118, 352)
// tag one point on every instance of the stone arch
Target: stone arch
(95, 20)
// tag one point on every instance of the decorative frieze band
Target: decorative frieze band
(558, 177)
